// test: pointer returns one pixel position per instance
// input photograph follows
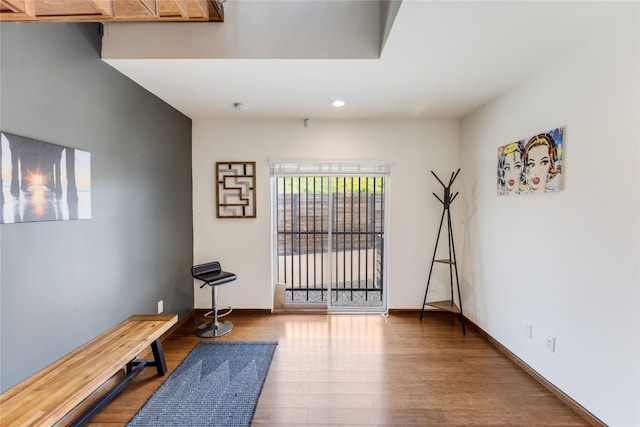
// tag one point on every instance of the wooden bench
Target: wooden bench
(49, 395)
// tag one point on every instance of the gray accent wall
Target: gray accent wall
(64, 282)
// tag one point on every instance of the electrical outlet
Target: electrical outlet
(550, 343)
(160, 306)
(527, 330)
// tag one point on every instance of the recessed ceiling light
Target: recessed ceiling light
(338, 103)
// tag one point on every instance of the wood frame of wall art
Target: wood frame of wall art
(236, 189)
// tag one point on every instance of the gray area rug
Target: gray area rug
(217, 384)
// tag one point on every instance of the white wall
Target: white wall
(565, 262)
(243, 245)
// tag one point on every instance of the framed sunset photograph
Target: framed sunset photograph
(40, 181)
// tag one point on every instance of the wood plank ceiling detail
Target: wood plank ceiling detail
(110, 10)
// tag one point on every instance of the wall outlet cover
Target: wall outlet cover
(550, 343)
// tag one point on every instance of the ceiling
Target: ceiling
(409, 59)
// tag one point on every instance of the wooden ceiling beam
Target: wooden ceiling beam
(205, 7)
(104, 6)
(110, 10)
(182, 6)
(126, 9)
(20, 7)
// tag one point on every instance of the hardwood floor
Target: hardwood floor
(365, 370)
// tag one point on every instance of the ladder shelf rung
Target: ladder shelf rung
(447, 305)
(445, 261)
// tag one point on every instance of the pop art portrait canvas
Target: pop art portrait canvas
(531, 165)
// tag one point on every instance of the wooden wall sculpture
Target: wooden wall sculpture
(236, 189)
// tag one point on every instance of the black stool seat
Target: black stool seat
(215, 279)
(212, 274)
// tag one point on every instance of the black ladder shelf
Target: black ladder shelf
(450, 304)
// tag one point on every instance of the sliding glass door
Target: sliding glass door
(330, 241)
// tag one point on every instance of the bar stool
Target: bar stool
(211, 274)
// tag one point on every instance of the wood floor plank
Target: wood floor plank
(364, 370)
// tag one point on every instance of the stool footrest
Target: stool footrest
(216, 313)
